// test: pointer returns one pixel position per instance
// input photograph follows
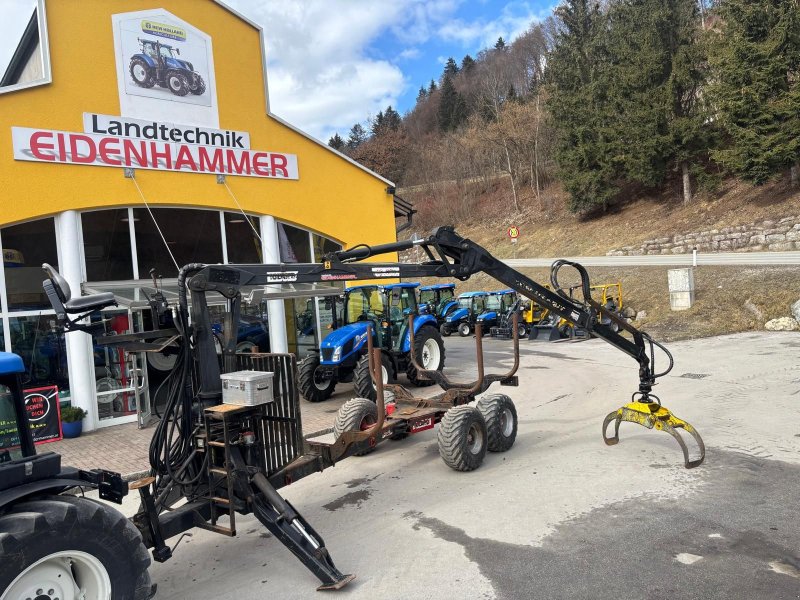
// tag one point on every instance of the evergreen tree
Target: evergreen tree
(422, 94)
(432, 87)
(756, 91)
(511, 95)
(450, 67)
(378, 123)
(500, 44)
(452, 108)
(392, 119)
(579, 105)
(357, 136)
(467, 63)
(336, 142)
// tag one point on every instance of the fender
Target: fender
(354, 333)
(457, 315)
(149, 60)
(419, 323)
(447, 308)
(111, 485)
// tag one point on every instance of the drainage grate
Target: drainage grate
(695, 375)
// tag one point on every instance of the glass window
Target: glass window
(25, 248)
(301, 335)
(43, 351)
(294, 244)
(9, 432)
(191, 235)
(107, 245)
(323, 246)
(117, 375)
(244, 247)
(364, 304)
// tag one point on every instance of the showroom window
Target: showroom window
(43, 350)
(25, 248)
(323, 246)
(294, 244)
(191, 235)
(242, 243)
(107, 245)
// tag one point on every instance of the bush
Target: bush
(71, 414)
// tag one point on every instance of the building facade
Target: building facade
(139, 139)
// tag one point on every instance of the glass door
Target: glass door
(144, 409)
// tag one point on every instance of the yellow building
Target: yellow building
(139, 138)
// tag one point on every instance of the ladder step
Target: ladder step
(218, 444)
(219, 500)
(218, 471)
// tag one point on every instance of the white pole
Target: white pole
(694, 257)
(79, 344)
(275, 308)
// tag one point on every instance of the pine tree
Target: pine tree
(579, 105)
(500, 44)
(756, 88)
(378, 123)
(392, 119)
(422, 94)
(511, 95)
(467, 63)
(452, 108)
(336, 142)
(450, 67)
(432, 87)
(357, 136)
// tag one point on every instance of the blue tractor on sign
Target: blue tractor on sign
(384, 311)
(158, 63)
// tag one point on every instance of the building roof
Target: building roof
(25, 49)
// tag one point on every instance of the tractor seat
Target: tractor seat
(81, 303)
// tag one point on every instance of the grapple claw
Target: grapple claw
(654, 416)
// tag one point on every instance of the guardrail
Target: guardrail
(671, 260)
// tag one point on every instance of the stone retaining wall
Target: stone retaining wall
(783, 234)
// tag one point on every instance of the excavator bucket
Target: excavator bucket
(654, 416)
(544, 333)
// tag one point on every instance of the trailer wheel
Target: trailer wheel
(501, 421)
(444, 330)
(429, 352)
(464, 329)
(313, 387)
(358, 414)
(362, 381)
(462, 438)
(71, 547)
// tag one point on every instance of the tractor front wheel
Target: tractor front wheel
(142, 73)
(445, 330)
(429, 353)
(362, 380)
(462, 438)
(177, 83)
(358, 414)
(71, 547)
(464, 329)
(313, 387)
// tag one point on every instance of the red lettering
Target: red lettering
(62, 148)
(107, 155)
(37, 146)
(210, 166)
(156, 156)
(76, 156)
(185, 158)
(241, 167)
(261, 164)
(279, 163)
(129, 147)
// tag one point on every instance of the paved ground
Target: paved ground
(560, 515)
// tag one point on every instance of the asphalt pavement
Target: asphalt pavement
(560, 515)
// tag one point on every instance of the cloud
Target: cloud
(515, 18)
(410, 54)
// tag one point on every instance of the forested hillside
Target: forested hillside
(601, 103)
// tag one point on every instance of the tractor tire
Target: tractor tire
(177, 83)
(141, 73)
(199, 86)
(500, 414)
(362, 381)
(358, 414)
(464, 329)
(51, 542)
(427, 343)
(444, 330)
(311, 387)
(522, 331)
(462, 438)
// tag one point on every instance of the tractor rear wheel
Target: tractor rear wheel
(199, 86)
(312, 386)
(464, 329)
(177, 83)
(71, 547)
(362, 380)
(462, 438)
(500, 414)
(429, 352)
(358, 414)
(142, 73)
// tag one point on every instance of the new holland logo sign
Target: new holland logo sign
(171, 32)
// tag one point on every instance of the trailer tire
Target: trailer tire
(105, 550)
(362, 380)
(429, 343)
(311, 388)
(357, 414)
(500, 414)
(462, 438)
(464, 329)
(444, 330)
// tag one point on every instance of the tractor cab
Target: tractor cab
(385, 306)
(465, 315)
(438, 300)
(12, 411)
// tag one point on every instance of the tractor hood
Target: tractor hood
(457, 315)
(339, 337)
(487, 316)
(174, 63)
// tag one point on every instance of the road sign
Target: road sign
(513, 232)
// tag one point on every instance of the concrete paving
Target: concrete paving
(560, 515)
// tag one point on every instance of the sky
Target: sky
(333, 63)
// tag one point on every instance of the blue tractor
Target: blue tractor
(385, 310)
(438, 300)
(498, 304)
(158, 63)
(464, 317)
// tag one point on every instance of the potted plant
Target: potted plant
(72, 421)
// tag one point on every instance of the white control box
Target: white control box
(247, 388)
